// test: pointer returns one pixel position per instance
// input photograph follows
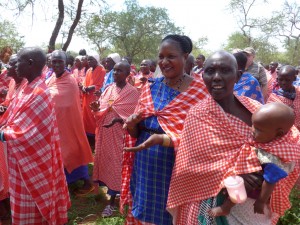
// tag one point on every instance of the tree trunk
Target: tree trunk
(57, 27)
(74, 24)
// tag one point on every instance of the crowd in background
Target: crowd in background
(162, 137)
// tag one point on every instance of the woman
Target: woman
(214, 132)
(157, 124)
(115, 105)
(93, 81)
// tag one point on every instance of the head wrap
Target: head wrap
(97, 57)
(115, 57)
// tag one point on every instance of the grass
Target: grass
(87, 210)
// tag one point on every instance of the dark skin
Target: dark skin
(11, 72)
(121, 72)
(92, 62)
(30, 63)
(273, 66)
(270, 121)
(171, 62)
(285, 78)
(220, 74)
(58, 61)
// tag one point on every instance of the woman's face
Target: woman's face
(285, 80)
(171, 59)
(220, 75)
(58, 63)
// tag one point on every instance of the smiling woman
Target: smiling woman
(162, 108)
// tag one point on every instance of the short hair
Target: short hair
(201, 56)
(241, 60)
(185, 43)
(82, 52)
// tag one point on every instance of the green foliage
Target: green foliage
(135, 31)
(292, 216)
(9, 36)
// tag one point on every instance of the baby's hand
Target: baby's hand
(259, 207)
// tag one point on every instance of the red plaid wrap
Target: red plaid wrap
(4, 82)
(38, 188)
(293, 104)
(198, 175)
(170, 118)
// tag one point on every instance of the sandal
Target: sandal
(108, 211)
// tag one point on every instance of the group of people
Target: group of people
(164, 141)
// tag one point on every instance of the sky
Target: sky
(199, 18)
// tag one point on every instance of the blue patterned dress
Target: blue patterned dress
(152, 169)
(248, 86)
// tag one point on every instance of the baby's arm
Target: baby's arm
(264, 196)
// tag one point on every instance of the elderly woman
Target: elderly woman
(214, 132)
(157, 124)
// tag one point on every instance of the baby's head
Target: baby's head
(271, 121)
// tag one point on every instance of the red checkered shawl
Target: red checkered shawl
(4, 82)
(203, 163)
(31, 134)
(123, 101)
(295, 104)
(170, 118)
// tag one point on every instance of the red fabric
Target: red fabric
(271, 82)
(75, 147)
(137, 83)
(202, 164)
(93, 77)
(36, 174)
(295, 105)
(4, 82)
(3, 173)
(12, 92)
(170, 118)
(79, 75)
(114, 103)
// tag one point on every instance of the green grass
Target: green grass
(87, 210)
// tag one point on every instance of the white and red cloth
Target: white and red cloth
(4, 82)
(294, 104)
(114, 103)
(213, 146)
(37, 186)
(170, 118)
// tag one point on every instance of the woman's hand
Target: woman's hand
(132, 121)
(95, 106)
(131, 124)
(115, 120)
(154, 139)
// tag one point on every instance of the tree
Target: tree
(9, 36)
(285, 25)
(63, 9)
(135, 32)
(242, 10)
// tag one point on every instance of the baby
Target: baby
(270, 122)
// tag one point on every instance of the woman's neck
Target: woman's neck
(121, 85)
(227, 103)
